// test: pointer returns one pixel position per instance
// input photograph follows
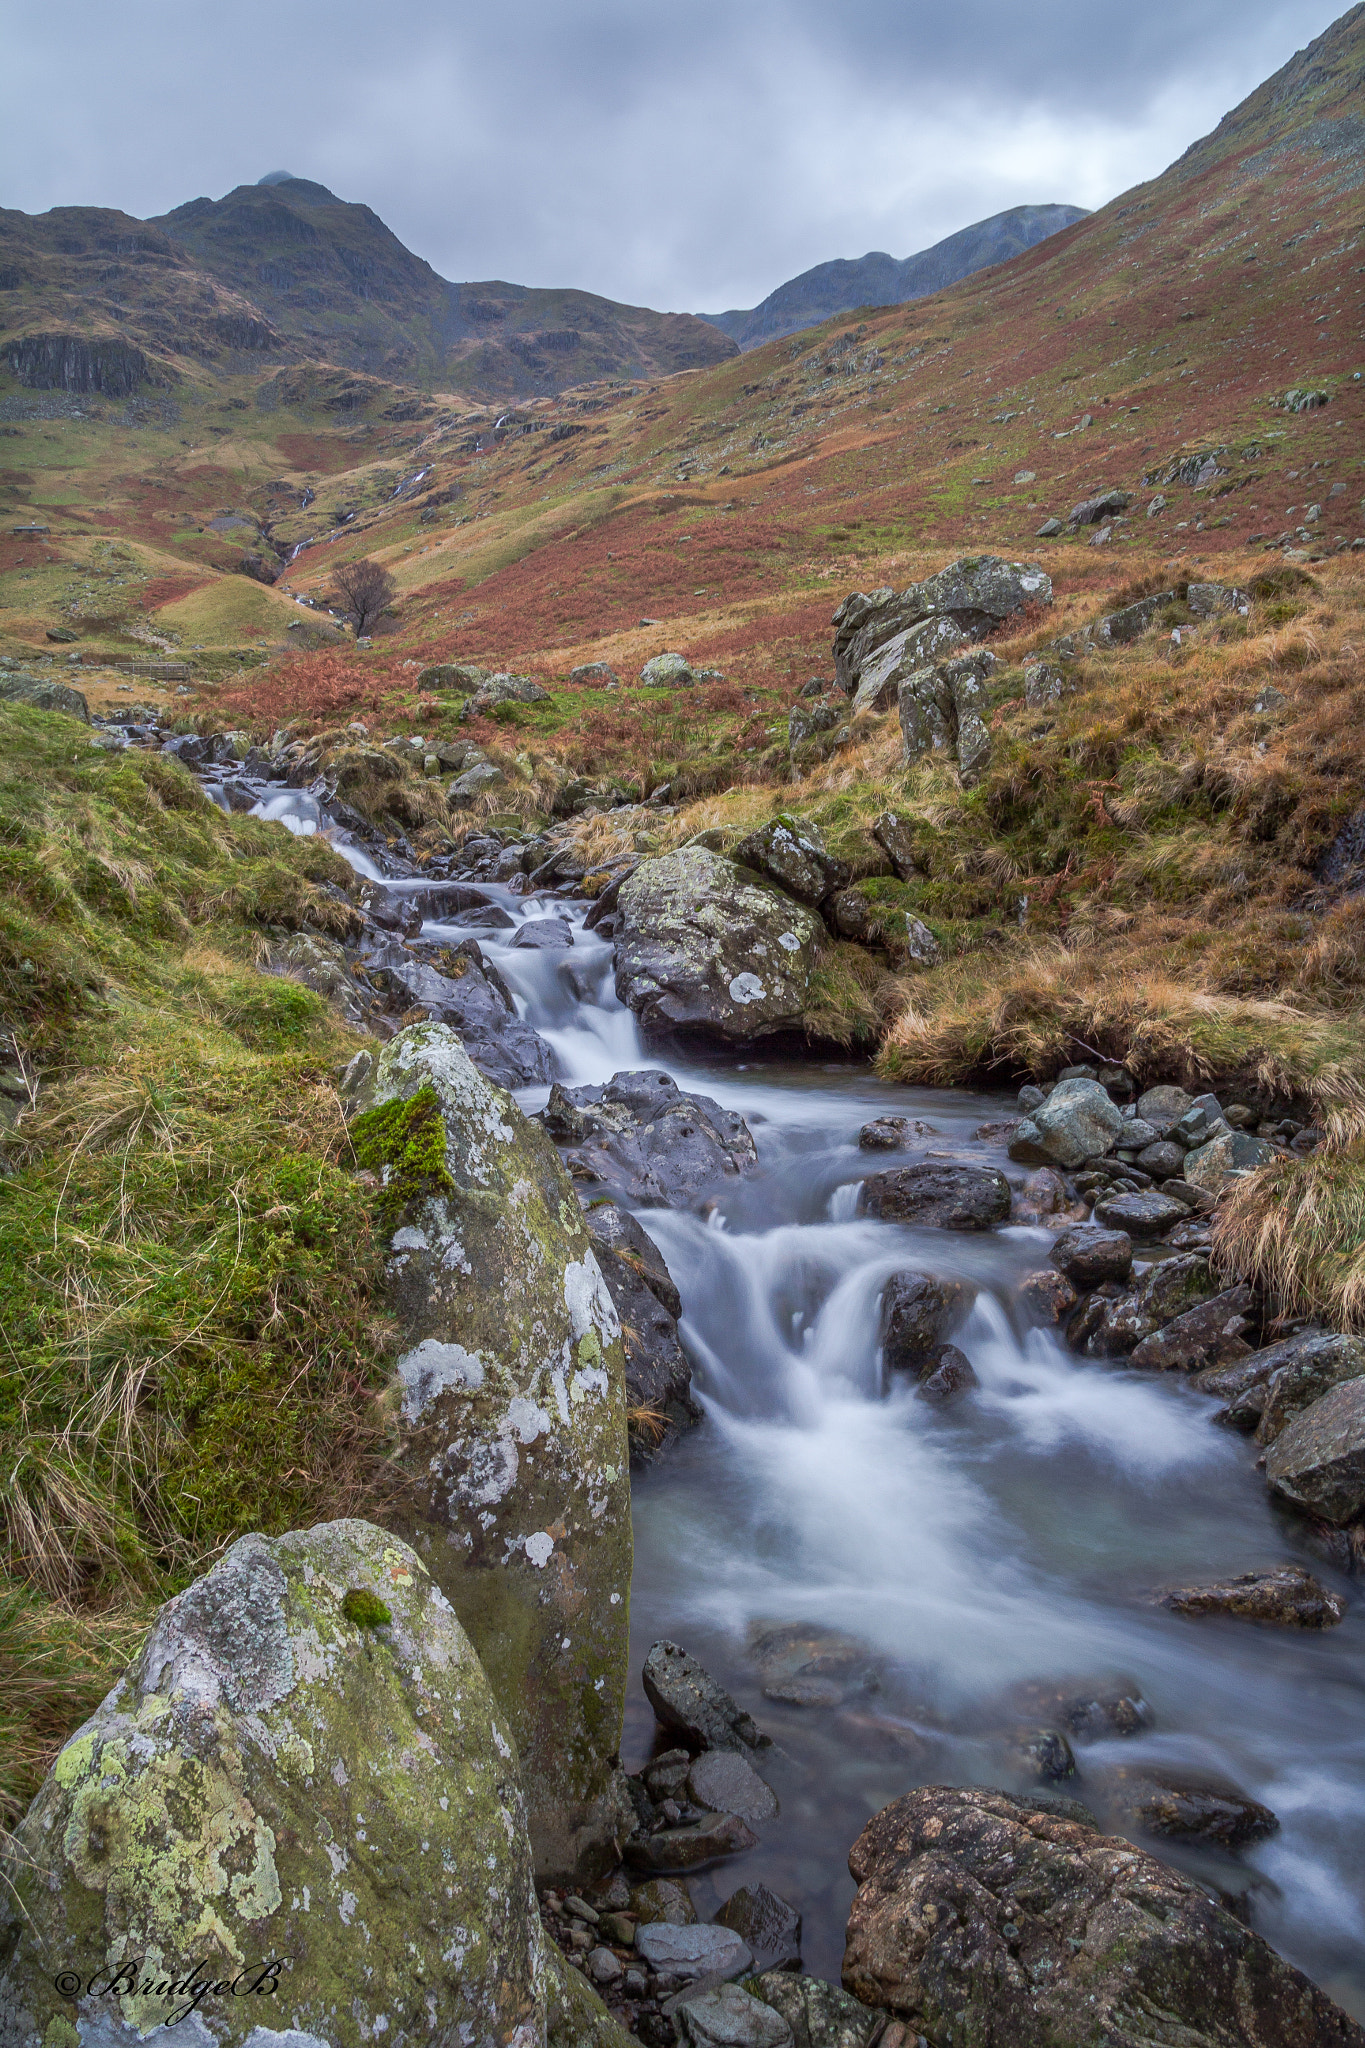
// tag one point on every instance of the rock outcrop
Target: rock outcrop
(791, 852)
(710, 949)
(944, 709)
(511, 1406)
(879, 639)
(982, 1918)
(305, 1767)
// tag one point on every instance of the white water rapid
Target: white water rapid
(1011, 1537)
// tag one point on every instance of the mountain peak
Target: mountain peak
(277, 178)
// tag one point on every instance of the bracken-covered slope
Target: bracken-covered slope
(879, 280)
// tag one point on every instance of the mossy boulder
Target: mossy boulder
(510, 1406)
(709, 948)
(281, 1794)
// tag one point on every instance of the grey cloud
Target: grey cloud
(684, 156)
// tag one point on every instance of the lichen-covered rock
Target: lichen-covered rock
(1318, 1460)
(943, 709)
(1166, 1290)
(44, 695)
(791, 852)
(668, 672)
(965, 601)
(896, 837)
(708, 948)
(1225, 1158)
(510, 1402)
(645, 1140)
(820, 2015)
(1215, 1333)
(1316, 1362)
(981, 1918)
(275, 1779)
(1079, 1120)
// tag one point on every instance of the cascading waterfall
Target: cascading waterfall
(1013, 1537)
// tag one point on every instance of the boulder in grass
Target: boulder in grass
(881, 634)
(44, 695)
(791, 852)
(670, 671)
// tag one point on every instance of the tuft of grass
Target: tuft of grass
(1297, 1228)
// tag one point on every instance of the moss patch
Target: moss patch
(405, 1144)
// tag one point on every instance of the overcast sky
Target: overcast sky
(688, 156)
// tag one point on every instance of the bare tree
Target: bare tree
(364, 589)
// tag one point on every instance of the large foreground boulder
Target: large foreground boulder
(305, 1784)
(510, 1402)
(985, 1922)
(711, 949)
(880, 638)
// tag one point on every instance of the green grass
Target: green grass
(186, 1252)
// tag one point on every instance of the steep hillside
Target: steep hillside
(91, 300)
(879, 280)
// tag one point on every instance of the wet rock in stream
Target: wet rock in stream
(982, 1918)
(918, 1310)
(472, 998)
(644, 1140)
(945, 1197)
(1287, 1597)
(659, 1400)
(766, 1923)
(948, 1372)
(687, 1699)
(1152, 1800)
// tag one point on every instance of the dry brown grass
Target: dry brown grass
(1297, 1228)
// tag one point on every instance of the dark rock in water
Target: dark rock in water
(729, 2017)
(545, 934)
(1048, 1295)
(691, 1848)
(491, 918)
(982, 1919)
(1314, 1364)
(687, 1699)
(1317, 1462)
(1063, 1808)
(614, 1229)
(659, 1399)
(946, 1197)
(665, 1776)
(501, 1044)
(450, 900)
(1043, 1754)
(791, 852)
(648, 1142)
(1144, 1214)
(1165, 1291)
(660, 1899)
(765, 1923)
(700, 1949)
(1215, 1333)
(1287, 1597)
(917, 1312)
(725, 1783)
(807, 1665)
(1090, 1257)
(949, 1372)
(1227, 1382)
(1043, 1196)
(1088, 1712)
(1182, 1806)
(889, 1133)
(711, 949)
(820, 2015)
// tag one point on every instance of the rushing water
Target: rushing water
(1011, 1537)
